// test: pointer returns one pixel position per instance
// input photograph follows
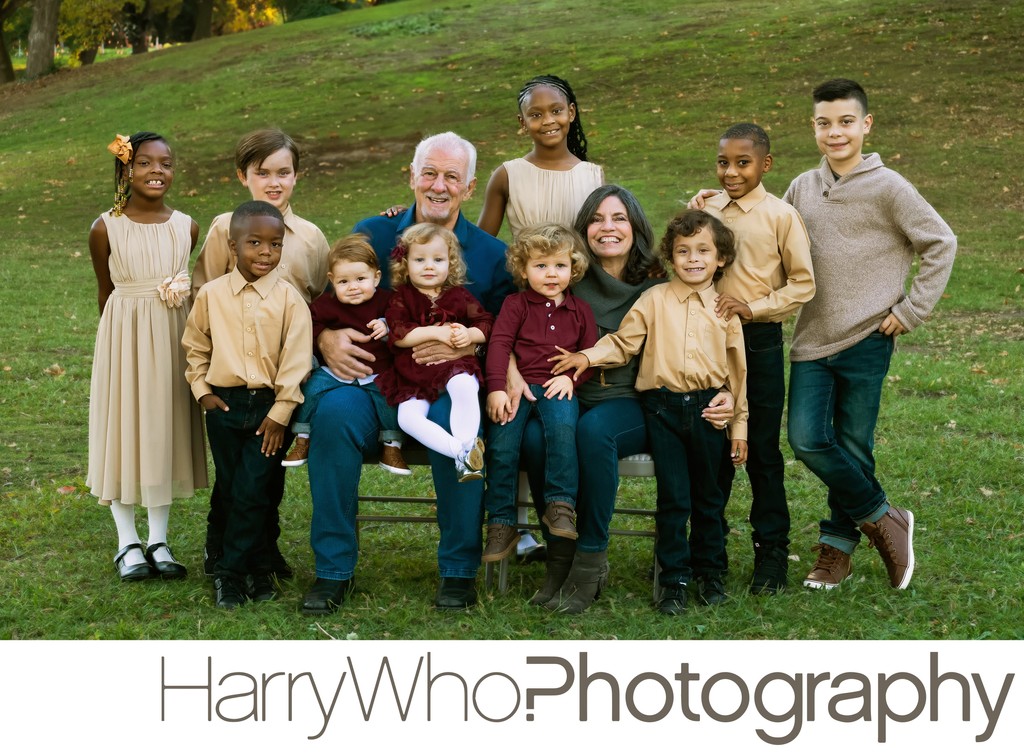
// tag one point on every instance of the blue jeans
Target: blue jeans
(687, 452)
(344, 432)
(606, 431)
(766, 396)
(245, 477)
(320, 382)
(833, 409)
(558, 420)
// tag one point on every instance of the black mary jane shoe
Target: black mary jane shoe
(139, 571)
(166, 569)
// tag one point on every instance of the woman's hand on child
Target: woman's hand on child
(342, 354)
(726, 306)
(891, 326)
(697, 202)
(499, 407)
(460, 335)
(211, 402)
(273, 436)
(720, 410)
(739, 452)
(567, 360)
(558, 387)
(378, 328)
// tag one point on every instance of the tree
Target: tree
(7, 9)
(41, 37)
(204, 20)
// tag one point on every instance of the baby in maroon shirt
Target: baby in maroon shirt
(535, 325)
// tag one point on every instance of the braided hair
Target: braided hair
(123, 171)
(576, 140)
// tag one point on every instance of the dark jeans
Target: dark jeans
(321, 382)
(605, 432)
(766, 395)
(558, 420)
(245, 477)
(833, 409)
(687, 452)
(345, 429)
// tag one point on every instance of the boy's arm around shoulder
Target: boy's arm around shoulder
(296, 355)
(934, 242)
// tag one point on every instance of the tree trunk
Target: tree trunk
(41, 37)
(88, 57)
(204, 20)
(138, 27)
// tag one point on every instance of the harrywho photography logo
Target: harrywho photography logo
(776, 707)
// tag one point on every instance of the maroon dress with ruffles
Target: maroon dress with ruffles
(410, 309)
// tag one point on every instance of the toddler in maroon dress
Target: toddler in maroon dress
(431, 304)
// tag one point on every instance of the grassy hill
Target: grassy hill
(657, 82)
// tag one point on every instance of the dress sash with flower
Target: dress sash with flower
(145, 431)
(410, 309)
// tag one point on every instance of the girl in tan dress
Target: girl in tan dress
(145, 434)
(550, 183)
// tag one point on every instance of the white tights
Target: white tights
(124, 519)
(465, 418)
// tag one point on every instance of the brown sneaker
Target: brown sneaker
(832, 568)
(299, 453)
(391, 459)
(560, 519)
(893, 536)
(501, 542)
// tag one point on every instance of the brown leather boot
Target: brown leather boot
(587, 577)
(559, 562)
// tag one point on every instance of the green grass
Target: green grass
(657, 83)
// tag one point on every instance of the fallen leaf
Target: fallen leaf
(986, 491)
(54, 370)
(66, 490)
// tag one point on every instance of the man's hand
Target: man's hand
(558, 387)
(498, 407)
(437, 352)
(726, 306)
(720, 410)
(342, 354)
(273, 436)
(891, 326)
(567, 360)
(211, 402)
(516, 387)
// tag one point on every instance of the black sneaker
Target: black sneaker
(261, 587)
(229, 592)
(710, 590)
(673, 600)
(771, 569)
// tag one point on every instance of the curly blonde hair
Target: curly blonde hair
(549, 239)
(422, 233)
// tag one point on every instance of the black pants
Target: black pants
(766, 395)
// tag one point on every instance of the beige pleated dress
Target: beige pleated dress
(145, 432)
(536, 195)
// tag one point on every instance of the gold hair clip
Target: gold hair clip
(121, 148)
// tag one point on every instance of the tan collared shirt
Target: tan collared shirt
(772, 273)
(685, 346)
(303, 256)
(253, 335)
